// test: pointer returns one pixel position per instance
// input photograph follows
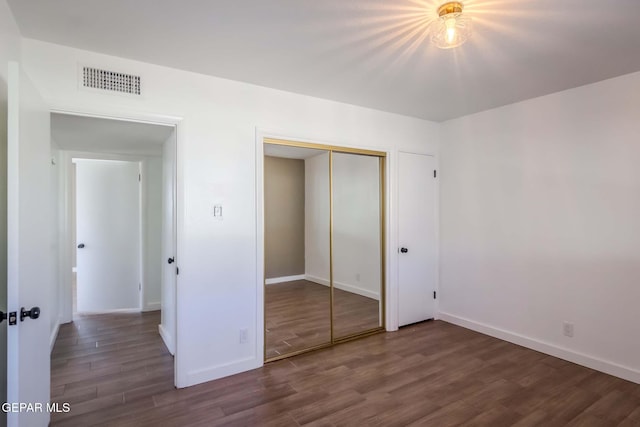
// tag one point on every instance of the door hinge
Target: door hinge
(177, 271)
(139, 286)
(434, 294)
(434, 173)
(139, 177)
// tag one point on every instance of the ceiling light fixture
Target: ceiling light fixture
(452, 28)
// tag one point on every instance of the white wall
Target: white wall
(316, 218)
(356, 222)
(539, 223)
(219, 273)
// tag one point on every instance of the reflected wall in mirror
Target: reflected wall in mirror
(296, 230)
(357, 244)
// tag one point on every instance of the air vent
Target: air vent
(110, 80)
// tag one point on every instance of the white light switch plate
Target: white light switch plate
(217, 212)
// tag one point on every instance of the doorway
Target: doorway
(117, 210)
(39, 270)
(324, 240)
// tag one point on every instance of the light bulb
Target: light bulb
(452, 27)
(450, 23)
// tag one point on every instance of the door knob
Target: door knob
(170, 260)
(404, 250)
(81, 245)
(34, 313)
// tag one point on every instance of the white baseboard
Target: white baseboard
(120, 310)
(168, 339)
(345, 287)
(598, 364)
(54, 336)
(152, 306)
(215, 372)
(316, 279)
(283, 279)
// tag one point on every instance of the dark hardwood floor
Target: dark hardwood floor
(297, 316)
(102, 362)
(429, 374)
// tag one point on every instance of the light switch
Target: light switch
(217, 211)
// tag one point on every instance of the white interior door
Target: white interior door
(108, 235)
(29, 250)
(417, 238)
(169, 271)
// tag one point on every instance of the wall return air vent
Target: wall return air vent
(96, 78)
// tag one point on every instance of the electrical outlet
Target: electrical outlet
(567, 329)
(244, 335)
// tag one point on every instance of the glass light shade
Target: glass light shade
(450, 30)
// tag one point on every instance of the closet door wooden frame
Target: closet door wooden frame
(382, 170)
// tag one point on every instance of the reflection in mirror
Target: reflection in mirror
(296, 230)
(357, 244)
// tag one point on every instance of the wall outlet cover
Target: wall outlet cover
(567, 329)
(244, 335)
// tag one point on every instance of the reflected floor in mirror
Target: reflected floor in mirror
(297, 316)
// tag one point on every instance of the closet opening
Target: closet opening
(324, 239)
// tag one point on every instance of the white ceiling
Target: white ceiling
(96, 135)
(373, 53)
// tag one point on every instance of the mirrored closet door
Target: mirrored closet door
(357, 243)
(323, 245)
(296, 236)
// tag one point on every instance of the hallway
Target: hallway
(102, 362)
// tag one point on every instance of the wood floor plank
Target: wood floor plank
(570, 403)
(324, 407)
(615, 406)
(495, 416)
(402, 413)
(429, 374)
(454, 414)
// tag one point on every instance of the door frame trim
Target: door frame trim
(269, 137)
(177, 122)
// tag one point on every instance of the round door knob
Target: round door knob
(404, 250)
(81, 245)
(170, 260)
(34, 313)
